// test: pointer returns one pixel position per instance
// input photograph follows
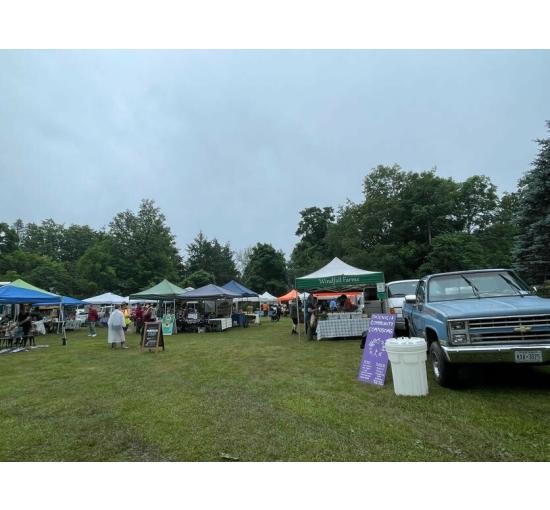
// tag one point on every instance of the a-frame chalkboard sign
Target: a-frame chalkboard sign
(152, 337)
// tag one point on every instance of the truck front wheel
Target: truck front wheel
(444, 372)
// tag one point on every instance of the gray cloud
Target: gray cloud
(237, 142)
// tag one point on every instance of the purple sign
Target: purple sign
(375, 358)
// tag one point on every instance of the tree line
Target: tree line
(407, 224)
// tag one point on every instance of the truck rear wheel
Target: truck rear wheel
(445, 373)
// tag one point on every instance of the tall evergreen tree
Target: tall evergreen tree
(144, 248)
(266, 270)
(532, 247)
(212, 257)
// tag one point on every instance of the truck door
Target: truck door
(418, 307)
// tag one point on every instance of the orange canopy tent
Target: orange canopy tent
(289, 296)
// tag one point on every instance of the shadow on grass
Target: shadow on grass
(504, 377)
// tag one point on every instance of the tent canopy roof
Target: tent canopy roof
(66, 301)
(240, 289)
(105, 299)
(25, 285)
(266, 296)
(164, 290)
(289, 296)
(337, 275)
(11, 294)
(209, 291)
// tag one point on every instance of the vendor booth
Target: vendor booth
(167, 293)
(350, 320)
(242, 318)
(214, 312)
(10, 334)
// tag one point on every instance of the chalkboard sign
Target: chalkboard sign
(152, 337)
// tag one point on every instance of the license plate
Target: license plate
(528, 356)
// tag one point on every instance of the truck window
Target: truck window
(421, 291)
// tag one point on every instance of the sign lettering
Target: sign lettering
(374, 363)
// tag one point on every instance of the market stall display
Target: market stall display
(216, 302)
(239, 317)
(337, 276)
(342, 328)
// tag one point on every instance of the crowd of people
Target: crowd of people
(119, 318)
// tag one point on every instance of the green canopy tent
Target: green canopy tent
(164, 291)
(339, 276)
(22, 284)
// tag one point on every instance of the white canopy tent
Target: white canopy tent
(106, 299)
(266, 297)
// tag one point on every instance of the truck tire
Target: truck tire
(445, 373)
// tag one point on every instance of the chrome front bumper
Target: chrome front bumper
(492, 353)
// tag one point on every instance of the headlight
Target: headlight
(460, 339)
(458, 325)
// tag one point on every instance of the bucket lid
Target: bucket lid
(406, 344)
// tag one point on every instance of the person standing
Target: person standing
(116, 328)
(93, 317)
(294, 316)
(147, 314)
(25, 322)
(139, 318)
(126, 314)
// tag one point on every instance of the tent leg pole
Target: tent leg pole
(298, 311)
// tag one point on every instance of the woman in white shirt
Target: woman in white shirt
(116, 328)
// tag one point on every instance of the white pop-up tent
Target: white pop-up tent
(266, 297)
(106, 299)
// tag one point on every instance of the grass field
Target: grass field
(255, 395)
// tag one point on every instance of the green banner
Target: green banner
(339, 282)
(168, 323)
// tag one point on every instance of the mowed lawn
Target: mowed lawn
(256, 394)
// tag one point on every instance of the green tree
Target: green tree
(44, 239)
(312, 250)
(266, 270)
(144, 248)
(453, 252)
(477, 203)
(38, 270)
(532, 245)
(76, 240)
(212, 257)
(8, 239)
(96, 269)
(199, 278)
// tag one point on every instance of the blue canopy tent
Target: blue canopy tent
(12, 294)
(66, 301)
(245, 294)
(209, 291)
(237, 288)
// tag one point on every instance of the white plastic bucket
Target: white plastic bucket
(408, 365)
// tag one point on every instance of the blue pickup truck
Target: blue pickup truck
(482, 316)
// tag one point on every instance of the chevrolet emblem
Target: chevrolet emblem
(522, 329)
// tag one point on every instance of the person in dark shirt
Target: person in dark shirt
(25, 320)
(138, 315)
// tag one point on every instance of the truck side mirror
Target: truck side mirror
(534, 289)
(410, 298)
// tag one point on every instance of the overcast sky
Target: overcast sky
(236, 143)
